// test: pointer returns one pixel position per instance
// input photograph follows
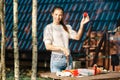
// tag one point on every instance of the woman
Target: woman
(56, 39)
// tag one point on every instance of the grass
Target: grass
(24, 75)
(28, 78)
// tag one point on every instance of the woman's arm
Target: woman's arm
(80, 31)
(53, 48)
(57, 48)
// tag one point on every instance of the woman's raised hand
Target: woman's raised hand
(85, 19)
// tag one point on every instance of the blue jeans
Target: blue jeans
(59, 62)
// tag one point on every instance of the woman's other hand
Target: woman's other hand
(65, 51)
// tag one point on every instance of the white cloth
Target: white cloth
(117, 29)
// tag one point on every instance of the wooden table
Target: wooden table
(107, 76)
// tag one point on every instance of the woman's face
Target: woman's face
(57, 16)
